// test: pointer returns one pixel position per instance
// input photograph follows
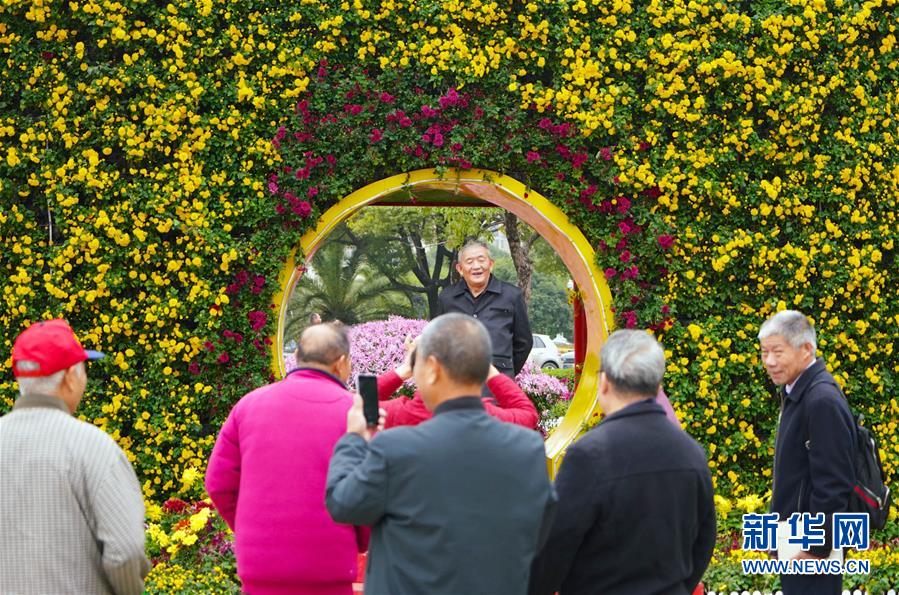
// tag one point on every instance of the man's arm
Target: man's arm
(574, 516)
(522, 339)
(830, 457)
(705, 539)
(514, 406)
(356, 493)
(223, 471)
(119, 510)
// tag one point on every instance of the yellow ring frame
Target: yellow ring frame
(546, 218)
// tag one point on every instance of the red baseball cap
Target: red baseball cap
(47, 347)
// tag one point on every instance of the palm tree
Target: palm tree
(340, 287)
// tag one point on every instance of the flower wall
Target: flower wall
(159, 161)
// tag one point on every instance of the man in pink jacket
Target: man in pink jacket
(266, 475)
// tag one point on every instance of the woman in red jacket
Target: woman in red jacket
(512, 405)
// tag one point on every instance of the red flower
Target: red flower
(302, 208)
(630, 318)
(605, 153)
(610, 273)
(625, 256)
(665, 241)
(352, 108)
(375, 135)
(653, 192)
(532, 156)
(174, 505)
(578, 160)
(451, 98)
(224, 359)
(257, 319)
(387, 97)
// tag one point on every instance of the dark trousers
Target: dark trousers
(811, 584)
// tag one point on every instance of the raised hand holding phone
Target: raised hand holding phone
(356, 420)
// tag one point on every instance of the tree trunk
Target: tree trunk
(520, 252)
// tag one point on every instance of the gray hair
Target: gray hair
(473, 244)
(323, 344)
(792, 325)
(45, 385)
(634, 362)
(461, 344)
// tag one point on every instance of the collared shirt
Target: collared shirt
(501, 309)
(71, 510)
(789, 388)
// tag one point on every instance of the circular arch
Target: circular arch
(529, 206)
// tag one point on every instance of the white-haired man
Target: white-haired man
(71, 511)
(814, 450)
(636, 512)
(498, 305)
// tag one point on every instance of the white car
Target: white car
(568, 359)
(544, 353)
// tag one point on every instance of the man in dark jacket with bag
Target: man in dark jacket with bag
(458, 504)
(815, 446)
(636, 512)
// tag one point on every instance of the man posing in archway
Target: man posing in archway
(498, 305)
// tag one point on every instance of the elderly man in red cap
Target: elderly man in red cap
(71, 511)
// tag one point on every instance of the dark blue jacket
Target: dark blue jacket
(458, 505)
(636, 512)
(814, 451)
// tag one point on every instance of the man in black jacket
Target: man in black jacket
(814, 450)
(498, 305)
(459, 504)
(636, 512)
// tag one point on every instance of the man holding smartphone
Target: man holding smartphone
(457, 504)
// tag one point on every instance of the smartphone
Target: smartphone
(368, 388)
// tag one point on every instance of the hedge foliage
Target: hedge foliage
(725, 158)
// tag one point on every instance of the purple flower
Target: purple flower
(376, 347)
